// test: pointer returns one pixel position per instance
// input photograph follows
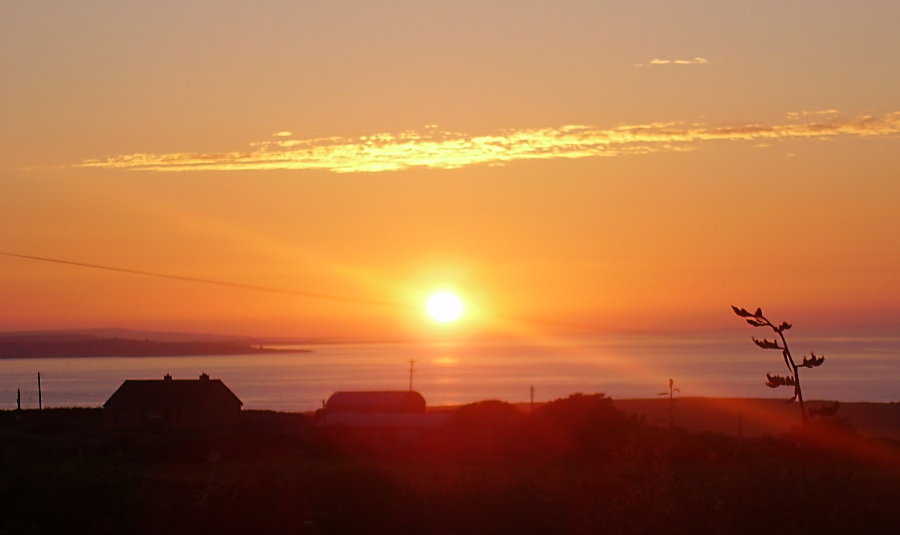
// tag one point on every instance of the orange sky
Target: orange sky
(562, 165)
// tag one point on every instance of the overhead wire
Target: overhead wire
(258, 288)
(202, 280)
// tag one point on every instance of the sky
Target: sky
(565, 166)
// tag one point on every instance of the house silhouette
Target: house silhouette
(202, 404)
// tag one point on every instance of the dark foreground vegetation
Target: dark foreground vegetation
(575, 466)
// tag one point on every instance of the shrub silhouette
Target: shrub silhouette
(486, 430)
(581, 426)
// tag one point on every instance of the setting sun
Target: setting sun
(444, 307)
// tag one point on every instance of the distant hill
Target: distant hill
(124, 334)
(162, 336)
(123, 343)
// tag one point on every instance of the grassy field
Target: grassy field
(579, 465)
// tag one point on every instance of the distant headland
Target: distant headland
(125, 343)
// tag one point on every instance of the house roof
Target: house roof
(376, 401)
(167, 392)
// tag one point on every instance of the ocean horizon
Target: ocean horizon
(856, 369)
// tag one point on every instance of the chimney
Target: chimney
(204, 377)
(168, 377)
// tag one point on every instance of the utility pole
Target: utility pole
(40, 398)
(532, 398)
(411, 371)
(18, 399)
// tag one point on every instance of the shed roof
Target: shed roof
(167, 392)
(376, 401)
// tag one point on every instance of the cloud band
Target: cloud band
(446, 150)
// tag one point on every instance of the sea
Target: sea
(301, 378)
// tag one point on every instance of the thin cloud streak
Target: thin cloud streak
(435, 149)
(796, 115)
(658, 61)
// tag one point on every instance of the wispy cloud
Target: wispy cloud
(436, 149)
(797, 115)
(658, 61)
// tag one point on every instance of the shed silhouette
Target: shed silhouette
(388, 421)
(202, 404)
(381, 402)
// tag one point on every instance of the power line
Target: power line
(252, 287)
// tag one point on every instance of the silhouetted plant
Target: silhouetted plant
(671, 394)
(826, 411)
(757, 319)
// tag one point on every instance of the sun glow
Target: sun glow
(444, 307)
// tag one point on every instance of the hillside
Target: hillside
(753, 418)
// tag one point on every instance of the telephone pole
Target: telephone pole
(411, 371)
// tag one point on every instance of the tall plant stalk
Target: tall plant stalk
(671, 394)
(757, 319)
